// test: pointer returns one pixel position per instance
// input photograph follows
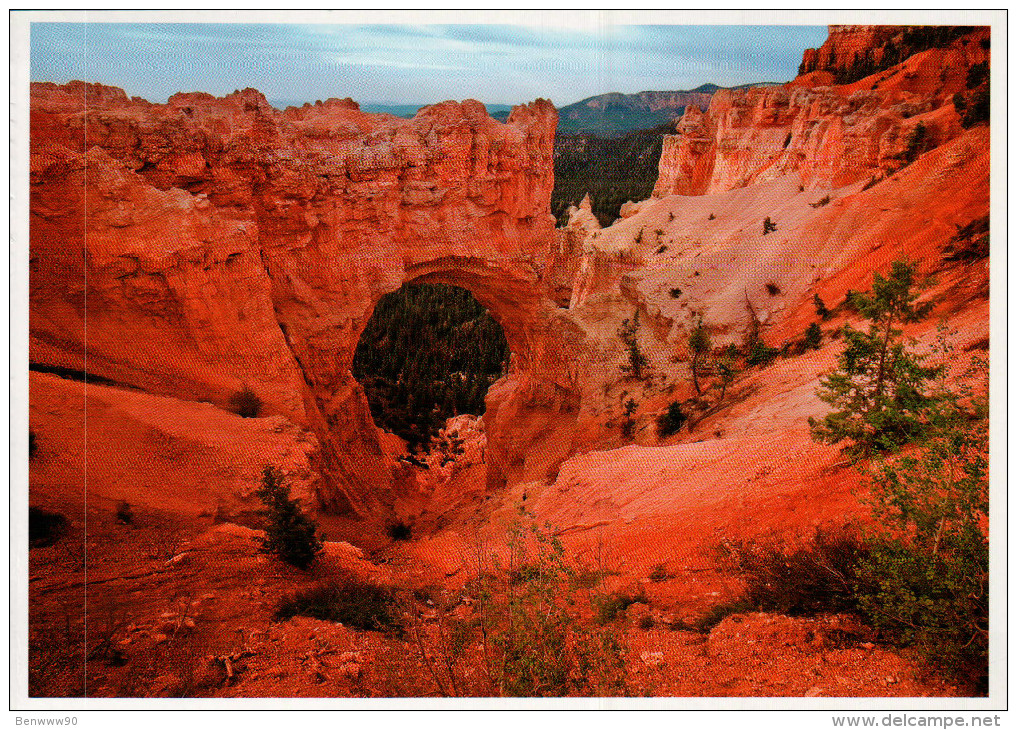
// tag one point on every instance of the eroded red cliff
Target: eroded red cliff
(828, 135)
(205, 245)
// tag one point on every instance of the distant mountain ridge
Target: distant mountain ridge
(615, 114)
(609, 115)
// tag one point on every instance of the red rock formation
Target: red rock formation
(195, 247)
(844, 44)
(683, 165)
(831, 136)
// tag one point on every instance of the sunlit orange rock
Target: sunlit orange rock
(828, 135)
(205, 245)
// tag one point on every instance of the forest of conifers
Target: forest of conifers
(429, 352)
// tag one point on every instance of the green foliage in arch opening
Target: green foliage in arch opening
(429, 352)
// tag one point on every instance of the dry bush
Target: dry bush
(246, 403)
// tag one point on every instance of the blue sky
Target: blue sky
(404, 64)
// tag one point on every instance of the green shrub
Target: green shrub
(610, 606)
(761, 354)
(246, 403)
(813, 337)
(289, 533)
(588, 578)
(821, 311)
(712, 217)
(628, 423)
(525, 625)
(928, 569)
(872, 182)
(348, 601)
(541, 649)
(124, 513)
(670, 421)
(400, 531)
(825, 200)
(848, 304)
(820, 576)
(660, 573)
(727, 371)
(675, 293)
(718, 613)
(970, 243)
(768, 226)
(977, 75)
(636, 360)
(917, 143)
(978, 107)
(45, 527)
(700, 346)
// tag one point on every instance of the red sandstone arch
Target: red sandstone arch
(194, 247)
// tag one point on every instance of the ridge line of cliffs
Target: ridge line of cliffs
(831, 135)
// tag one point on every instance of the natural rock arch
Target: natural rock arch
(228, 244)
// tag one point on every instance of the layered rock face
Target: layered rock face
(207, 244)
(829, 135)
(846, 178)
(845, 43)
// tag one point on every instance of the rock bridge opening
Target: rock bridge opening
(230, 244)
(429, 353)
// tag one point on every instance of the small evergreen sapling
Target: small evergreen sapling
(289, 533)
(629, 423)
(813, 337)
(637, 361)
(670, 421)
(880, 389)
(699, 346)
(727, 371)
(246, 403)
(917, 143)
(821, 311)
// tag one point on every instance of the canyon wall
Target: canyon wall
(829, 136)
(205, 245)
(845, 43)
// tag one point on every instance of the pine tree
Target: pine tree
(699, 346)
(880, 390)
(289, 533)
(636, 359)
(727, 371)
(820, 305)
(813, 337)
